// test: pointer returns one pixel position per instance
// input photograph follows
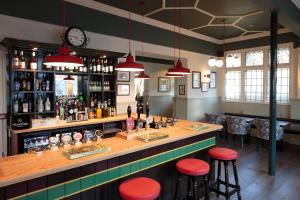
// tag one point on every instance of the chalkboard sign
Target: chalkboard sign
(21, 122)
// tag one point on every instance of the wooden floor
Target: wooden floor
(255, 182)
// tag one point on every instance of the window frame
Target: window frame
(265, 68)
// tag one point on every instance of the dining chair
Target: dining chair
(217, 119)
(262, 132)
(238, 126)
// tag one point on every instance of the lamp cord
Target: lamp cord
(129, 25)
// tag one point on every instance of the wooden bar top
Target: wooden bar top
(19, 168)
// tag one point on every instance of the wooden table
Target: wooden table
(53, 176)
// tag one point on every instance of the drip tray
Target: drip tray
(83, 151)
(152, 137)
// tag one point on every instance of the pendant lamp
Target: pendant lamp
(63, 58)
(142, 75)
(179, 69)
(129, 64)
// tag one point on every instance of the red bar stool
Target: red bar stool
(225, 155)
(140, 188)
(192, 168)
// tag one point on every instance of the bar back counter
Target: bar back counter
(50, 175)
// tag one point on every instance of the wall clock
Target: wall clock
(75, 36)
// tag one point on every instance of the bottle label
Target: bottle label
(15, 62)
(22, 65)
(33, 65)
(25, 107)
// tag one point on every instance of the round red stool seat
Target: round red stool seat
(192, 167)
(220, 153)
(140, 188)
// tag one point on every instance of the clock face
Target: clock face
(75, 36)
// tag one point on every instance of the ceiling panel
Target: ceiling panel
(228, 7)
(180, 3)
(141, 7)
(189, 18)
(230, 20)
(217, 31)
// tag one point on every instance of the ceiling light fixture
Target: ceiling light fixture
(129, 64)
(142, 75)
(178, 69)
(63, 58)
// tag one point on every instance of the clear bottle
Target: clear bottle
(17, 84)
(22, 64)
(48, 104)
(47, 83)
(40, 105)
(16, 106)
(33, 62)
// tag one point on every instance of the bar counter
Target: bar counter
(51, 175)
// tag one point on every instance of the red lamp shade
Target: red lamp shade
(142, 75)
(63, 59)
(174, 75)
(178, 69)
(130, 65)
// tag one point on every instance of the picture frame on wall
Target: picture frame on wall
(196, 80)
(205, 87)
(123, 76)
(164, 84)
(181, 89)
(213, 80)
(123, 89)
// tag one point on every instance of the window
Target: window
(233, 60)
(254, 58)
(282, 86)
(283, 55)
(254, 85)
(233, 85)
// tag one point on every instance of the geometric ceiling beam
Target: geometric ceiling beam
(196, 3)
(153, 12)
(203, 11)
(238, 27)
(178, 8)
(192, 29)
(228, 16)
(239, 19)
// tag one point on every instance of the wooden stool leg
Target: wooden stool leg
(205, 181)
(195, 188)
(212, 170)
(189, 189)
(178, 180)
(236, 180)
(219, 177)
(227, 196)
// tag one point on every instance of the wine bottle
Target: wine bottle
(17, 83)
(91, 65)
(98, 65)
(43, 83)
(24, 83)
(85, 69)
(48, 67)
(16, 105)
(33, 62)
(94, 66)
(22, 61)
(25, 106)
(47, 83)
(28, 83)
(147, 109)
(15, 60)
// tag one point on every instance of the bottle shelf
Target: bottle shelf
(24, 92)
(23, 70)
(44, 92)
(29, 113)
(72, 73)
(100, 74)
(44, 112)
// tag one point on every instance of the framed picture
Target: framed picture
(196, 80)
(205, 86)
(164, 84)
(213, 80)
(123, 76)
(181, 89)
(123, 89)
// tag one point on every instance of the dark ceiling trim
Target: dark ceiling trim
(154, 60)
(49, 11)
(263, 41)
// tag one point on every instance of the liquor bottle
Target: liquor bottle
(101, 65)
(92, 102)
(99, 111)
(15, 60)
(29, 105)
(111, 67)
(80, 69)
(28, 83)
(16, 105)
(94, 66)
(43, 83)
(20, 105)
(40, 105)
(33, 62)
(106, 66)
(25, 105)
(47, 83)
(17, 84)
(98, 65)
(22, 61)
(48, 105)
(24, 83)
(85, 69)
(91, 65)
